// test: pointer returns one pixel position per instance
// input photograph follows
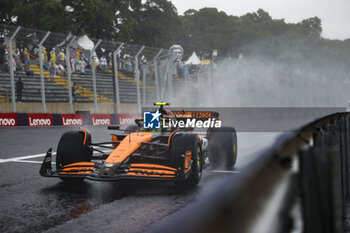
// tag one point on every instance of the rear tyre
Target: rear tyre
(71, 149)
(182, 143)
(222, 147)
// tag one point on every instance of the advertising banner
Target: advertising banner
(72, 119)
(101, 119)
(39, 119)
(127, 119)
(8, 119)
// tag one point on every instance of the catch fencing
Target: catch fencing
(88, 70)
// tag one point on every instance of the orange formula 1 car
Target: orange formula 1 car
(169, 152)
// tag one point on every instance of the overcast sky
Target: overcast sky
(335, 14)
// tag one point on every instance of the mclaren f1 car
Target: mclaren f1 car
(174, 153)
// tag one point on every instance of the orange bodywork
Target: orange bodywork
(172, 134)
(126, 147)
(151, 166)
(114, 139)
(151, 170)
(84, 135)
(148, 175)
(77, 172)
(77, 168)
(87, 164)
(155, 172)
(188, 159)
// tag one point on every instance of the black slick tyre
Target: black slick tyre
(222, 147)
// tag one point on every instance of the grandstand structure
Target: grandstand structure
(56, 90)
(150, 76)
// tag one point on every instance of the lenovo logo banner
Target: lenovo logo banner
(101, 119)
(8, 119)
(72, 119)
(40, 120)
(127, 119)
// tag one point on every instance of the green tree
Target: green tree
(312, 27)
(208, 29)
(158, 24)
(97, 18)
(154, 22)
(6, 16)
(126, 19)
(40, 14)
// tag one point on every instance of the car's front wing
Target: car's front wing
(96, 171)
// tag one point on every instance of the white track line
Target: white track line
(20, 159)
(28, 161)
(266, 136)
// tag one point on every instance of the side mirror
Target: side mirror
(113, 127)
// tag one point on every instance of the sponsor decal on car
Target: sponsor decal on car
(101, 119)
(109, 165)
(39, 119)
(72, 119)
(8, 119)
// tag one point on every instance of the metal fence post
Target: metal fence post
(137, 78)
(347, 142)
(12, 76)
(211, 72)
(41, 59)
(170, 81)
(156, 77)
(93, 71)
(69, 71)
(144, 85)
(185, 79)
(170, 77)
(165, 80)
(116, 79)
(200, 86)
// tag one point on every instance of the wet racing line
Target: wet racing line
(31, 203)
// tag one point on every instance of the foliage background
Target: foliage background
(156, 23)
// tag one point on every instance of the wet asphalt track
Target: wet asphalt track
(30, 203)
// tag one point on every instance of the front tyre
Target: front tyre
(196, 167)
(182, 144)
(73, 147)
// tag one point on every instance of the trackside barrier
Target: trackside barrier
(8, 119)
(72, 119)
(301, 184)
(45, 119)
